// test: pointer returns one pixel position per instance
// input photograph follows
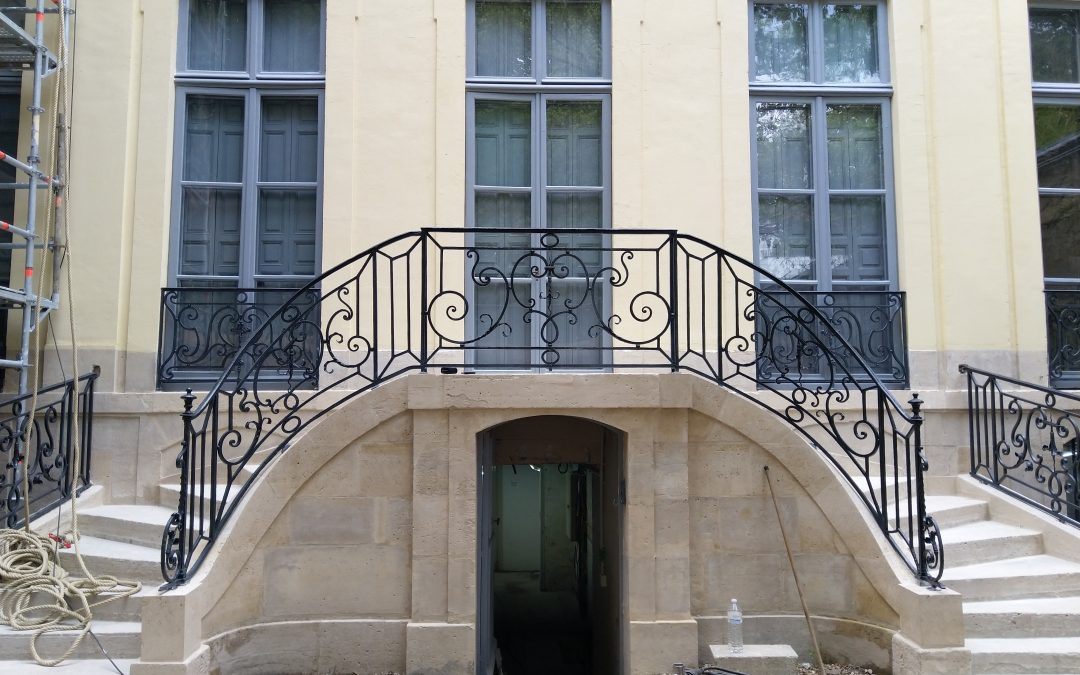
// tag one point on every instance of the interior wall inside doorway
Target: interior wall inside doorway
(557, 520)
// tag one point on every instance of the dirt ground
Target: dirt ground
(834, 669)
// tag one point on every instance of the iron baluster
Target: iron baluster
(424, 317)
(673, 306)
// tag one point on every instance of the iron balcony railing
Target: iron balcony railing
(1063, 336)
(49, 457)
(557, 299)
(871, 323)
(202, 329)
(1024, 441)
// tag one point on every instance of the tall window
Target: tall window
(1055, 65)
(247, 176)
(539, 137)
(246, 200)
(822, 181)
(820, 93)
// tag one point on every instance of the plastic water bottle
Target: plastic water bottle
(734, 627)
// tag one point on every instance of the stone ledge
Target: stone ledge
(757, 659)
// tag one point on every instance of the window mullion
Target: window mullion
(815, 39)
(540, 102)
(249, 213)
(822, 230)
(539, 31)
(255, 37)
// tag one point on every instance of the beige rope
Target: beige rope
(36, 593)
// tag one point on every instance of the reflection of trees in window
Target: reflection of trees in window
(780, 43)
(851, 50)
(1053, 45)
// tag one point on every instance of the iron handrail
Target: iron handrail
(1025, 441)
(48, 459)
(578, 299)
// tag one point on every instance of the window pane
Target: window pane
(1061, 236)
(503, 143)
(289, 150)
(575, 143)
(851, 43)
(574, 38)
(575, 210)
(287, 220)
(217, 35)
(500, 326)
(856, 154)
(1057, 145)
(504, 39)
(578, 211)
(503, 210)
(210, 231)
(786, 236)
(214, 139)
(1053, 45)
(857, 226)
(577, 316)
(780, 43)
(292, 36)
(784, 146)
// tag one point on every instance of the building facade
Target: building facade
(912, 161)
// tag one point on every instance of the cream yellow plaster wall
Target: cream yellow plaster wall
(967, 209)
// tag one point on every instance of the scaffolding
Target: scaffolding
(24, 50)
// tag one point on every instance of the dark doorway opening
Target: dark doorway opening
(550, 548)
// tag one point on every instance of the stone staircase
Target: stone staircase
(118, 540)
(1021, 604)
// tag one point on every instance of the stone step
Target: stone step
(994, 656)
(133, 524)
(951, 510)
(120, 638)
(1029, 576)
(1024, 617)
(119, 559)
(987, 541)
(947, 510)
(72, 667)
(757, 659)
(169, 498)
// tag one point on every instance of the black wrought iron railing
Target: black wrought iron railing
(1063, 336)
(203, 328)
(49, 456)
(871, 323)
(529, 300)
(1025, 441)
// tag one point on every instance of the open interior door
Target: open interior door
(485, 538)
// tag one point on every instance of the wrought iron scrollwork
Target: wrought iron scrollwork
(1063, 337)
(47, 459)
(935, 549)
(202, 330)
(1025, 440)
(536, 300)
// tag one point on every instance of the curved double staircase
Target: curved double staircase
(556, 299)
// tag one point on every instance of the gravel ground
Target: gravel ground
(835, 669)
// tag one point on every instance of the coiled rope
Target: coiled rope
(36, 593)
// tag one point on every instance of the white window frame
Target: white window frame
(819, 95)
(252, 87)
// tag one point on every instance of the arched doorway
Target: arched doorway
(550, 524)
